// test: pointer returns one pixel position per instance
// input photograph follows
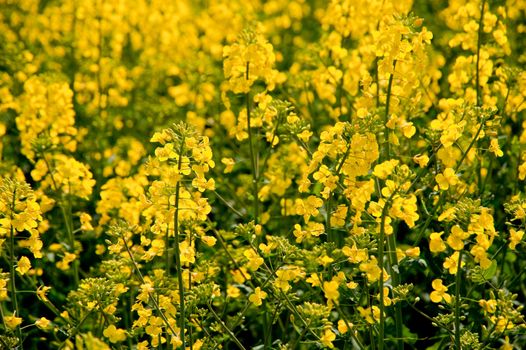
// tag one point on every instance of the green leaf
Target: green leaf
(490, 271)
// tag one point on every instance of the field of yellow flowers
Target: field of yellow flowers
(232, 174)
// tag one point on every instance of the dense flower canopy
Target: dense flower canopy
(296, 174)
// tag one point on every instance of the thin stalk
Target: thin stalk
(167, 257)
(12, 268)
(395, 276)
(71, 235)
(225, 202)
(225, 327)
(71, 241)
(457, 301)
(377, 80)
(127, 321)
(387, 149)
(393, 261)
(67, 222)
(141, 277)
(182, 319)
(330, 235)
(267, 155)
(442, 197)
(381, 252)
(432, 320)
(381, 239)
(190, 289)
(349, 327)
(368, 297)
(479, 43)
(302, 334)
(277, 294)
(72, 51)
(75, 330)
(328, 227)
(381, 249)
(252, 155)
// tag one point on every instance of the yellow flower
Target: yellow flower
(43, 323)
(506, 345)
(325, 260)
(41, 293)
(451, 263)
(387, 301)
(383, 170)
(408, 129)
(24, 265)
(229, 164)
(339, 215)
(314, 280)
(495, 148)
(209, 240)
(249, 59)
(372, 270)
(522, 171)
(421, 159)
(448, 214)
(3, 289)
(439, 292)
(66, 261)
(12, 321)
(327, 338)
(331, 291)
(446, 179)
(257, 297)
(354, 254)
(370, 314)
(85, 221)
(413, 252)
(154, 326)
(342, 327)
(515, 238)
(457, 237)
(436, 244)
(489, 306)
(254, 260)
(114, 334)
(187, 253)
(233, 292)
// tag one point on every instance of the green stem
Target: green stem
(349, 327)
(12, 271)
(387, 149)
(328, 228)
(381, 240)
(72, 51)
(479, 43)
(225, 202)
(442, 197)
(67, 222)
(71, 235)
(182, 319)
(381, 249)
(252, 155)
(127, 320)
(75, 330)
(395, 276)
(302, 334)
(167, 257)
(225, 327)
(150, 295)
(457, 301)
